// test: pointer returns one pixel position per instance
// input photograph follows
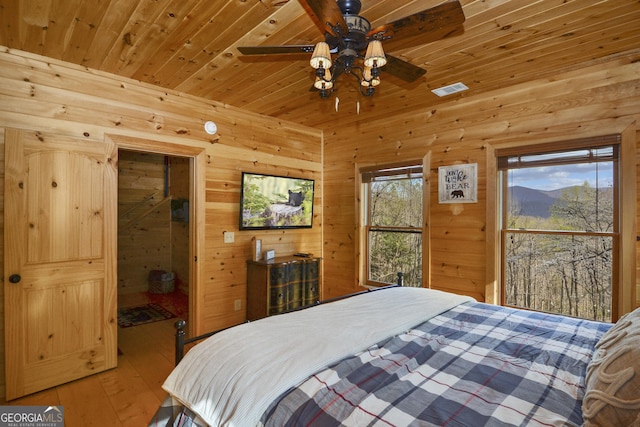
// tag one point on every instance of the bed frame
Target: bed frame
(180, 325)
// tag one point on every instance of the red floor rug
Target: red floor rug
(176, 302)
(139, 315)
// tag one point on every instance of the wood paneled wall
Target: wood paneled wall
(148, 237)
(40, 94)
(179, 178)
(599, 99)
(144, 220)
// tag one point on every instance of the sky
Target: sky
(554, 177)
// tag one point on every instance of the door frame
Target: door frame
(197, 196)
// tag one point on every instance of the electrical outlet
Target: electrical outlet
(229, 236)
(237, 305)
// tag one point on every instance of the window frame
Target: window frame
(366, 175)
(502, 169)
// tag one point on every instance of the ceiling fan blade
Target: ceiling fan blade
(326, 15)
(446, 15)
(421, 39)
(403, 69)
(271, 50)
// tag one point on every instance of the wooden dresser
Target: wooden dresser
(281, 284)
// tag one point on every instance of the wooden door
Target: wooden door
(60, 260)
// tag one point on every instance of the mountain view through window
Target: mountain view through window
(558, 235)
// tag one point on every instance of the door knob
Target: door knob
(15, 278)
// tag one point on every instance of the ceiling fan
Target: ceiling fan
(358, 48)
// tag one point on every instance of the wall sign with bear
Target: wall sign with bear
(458, 183)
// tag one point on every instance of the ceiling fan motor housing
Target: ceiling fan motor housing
(349, 7)
(355, 41)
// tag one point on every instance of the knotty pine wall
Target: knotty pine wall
(148, 238)
(40, 94)
(179, 179)
(599, 99)
(145, 228)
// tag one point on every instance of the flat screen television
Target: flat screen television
(274, 202)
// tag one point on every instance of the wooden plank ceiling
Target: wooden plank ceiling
(192, 45)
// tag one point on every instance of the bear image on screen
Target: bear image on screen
(271, 201)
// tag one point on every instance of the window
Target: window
(560, 228)
(392, 214)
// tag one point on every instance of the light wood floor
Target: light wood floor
(128, 395)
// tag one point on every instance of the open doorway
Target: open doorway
(154, 193)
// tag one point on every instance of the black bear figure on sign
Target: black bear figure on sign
(457, 194)
(295, 199)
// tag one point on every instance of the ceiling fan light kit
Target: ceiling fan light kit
(367, 75)
(350, 46)
(357, 48)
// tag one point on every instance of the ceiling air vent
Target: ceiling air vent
(448, 90)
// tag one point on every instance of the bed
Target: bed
(410, 357)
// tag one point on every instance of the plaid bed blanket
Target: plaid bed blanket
(172, 413)
(474, 365)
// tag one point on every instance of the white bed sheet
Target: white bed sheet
(231, 378)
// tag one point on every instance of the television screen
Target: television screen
(270, 202)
